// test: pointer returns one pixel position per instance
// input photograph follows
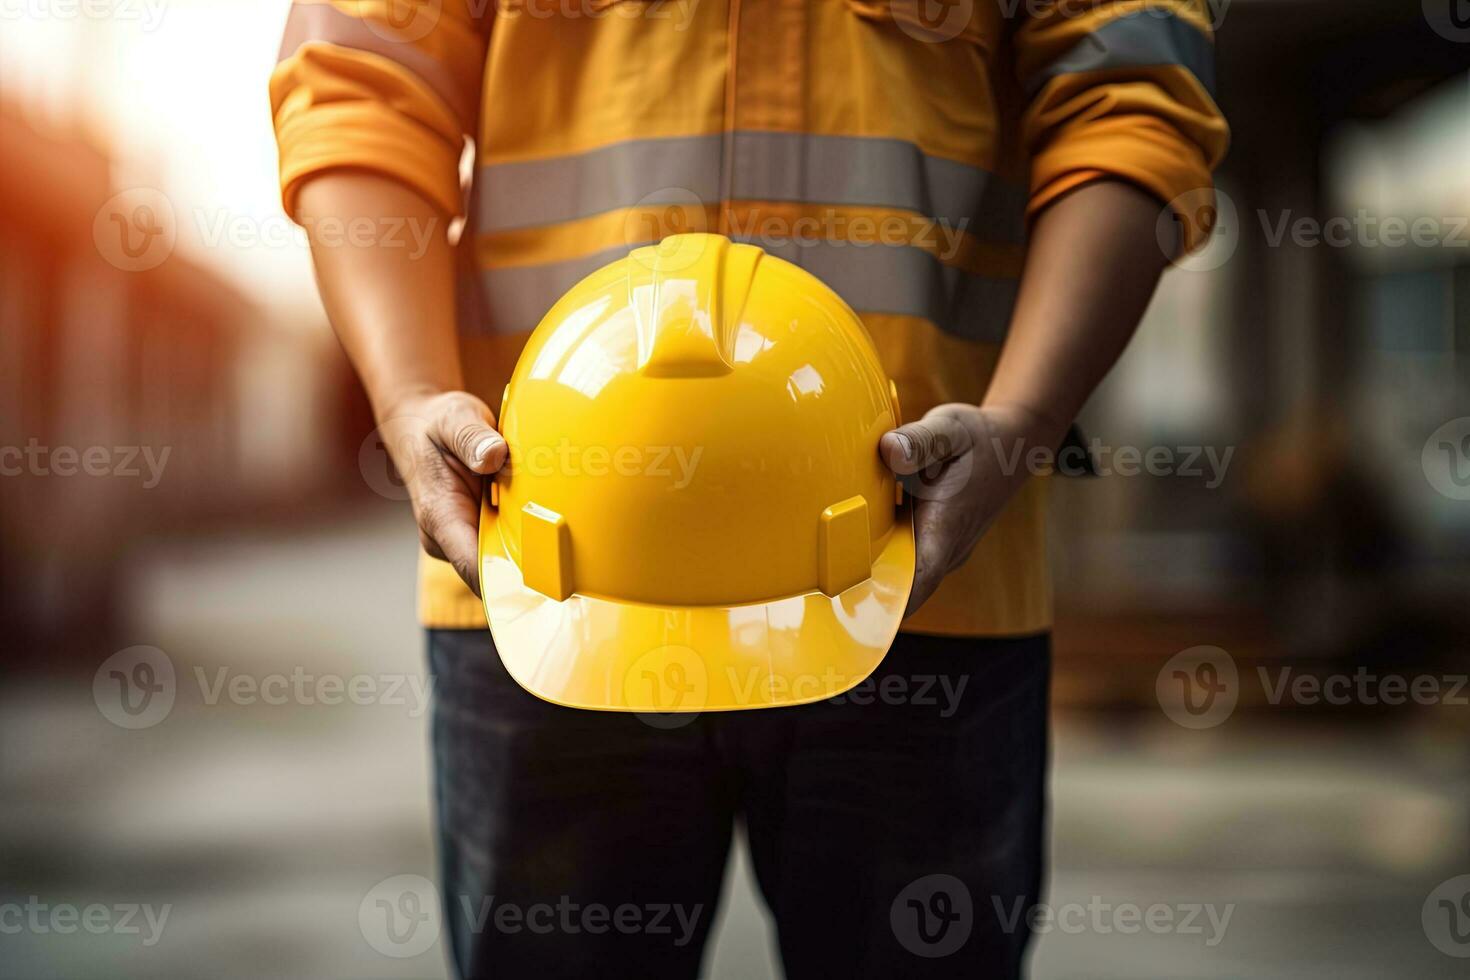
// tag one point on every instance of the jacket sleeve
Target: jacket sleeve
(1122, 89)
(390, 86)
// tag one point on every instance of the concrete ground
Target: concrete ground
(263, 828)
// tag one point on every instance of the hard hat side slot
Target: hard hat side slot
(546, 552)
(844, 548)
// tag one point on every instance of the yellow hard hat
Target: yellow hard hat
(694, 515)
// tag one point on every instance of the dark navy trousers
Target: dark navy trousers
(895, 831)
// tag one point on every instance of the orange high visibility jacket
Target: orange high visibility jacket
(894, 148)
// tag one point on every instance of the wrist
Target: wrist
(1013, 423)
(403, 400)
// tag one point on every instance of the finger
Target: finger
(931, 550)
(430, 546)
(461, 544)
(923, 588)
(451, 522)
(933, 439)
(466, 428)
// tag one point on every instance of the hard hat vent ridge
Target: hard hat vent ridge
(687, 294)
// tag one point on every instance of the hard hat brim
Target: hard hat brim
(606, 654)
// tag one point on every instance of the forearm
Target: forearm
(389, 293)
(1092, 265)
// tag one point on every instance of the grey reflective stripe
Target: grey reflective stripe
(866, 171)
(901, 280)
(514, 299)
(908, 281)
(787, 167)
(1146, 38)
(309, 22)
(550, 191)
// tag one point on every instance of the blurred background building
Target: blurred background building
(1320, 357)
(136, 363)
(1322, 350)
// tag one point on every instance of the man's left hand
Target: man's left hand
(959, 464)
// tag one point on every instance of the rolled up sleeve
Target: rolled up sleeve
(1122, 90)
(391, 87)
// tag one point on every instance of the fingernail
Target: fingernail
(483, 449)
(905, 444)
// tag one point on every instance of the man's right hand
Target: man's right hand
(442, 444)
(394, 310)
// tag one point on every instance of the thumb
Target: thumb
(466, 428)
(933, 439)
